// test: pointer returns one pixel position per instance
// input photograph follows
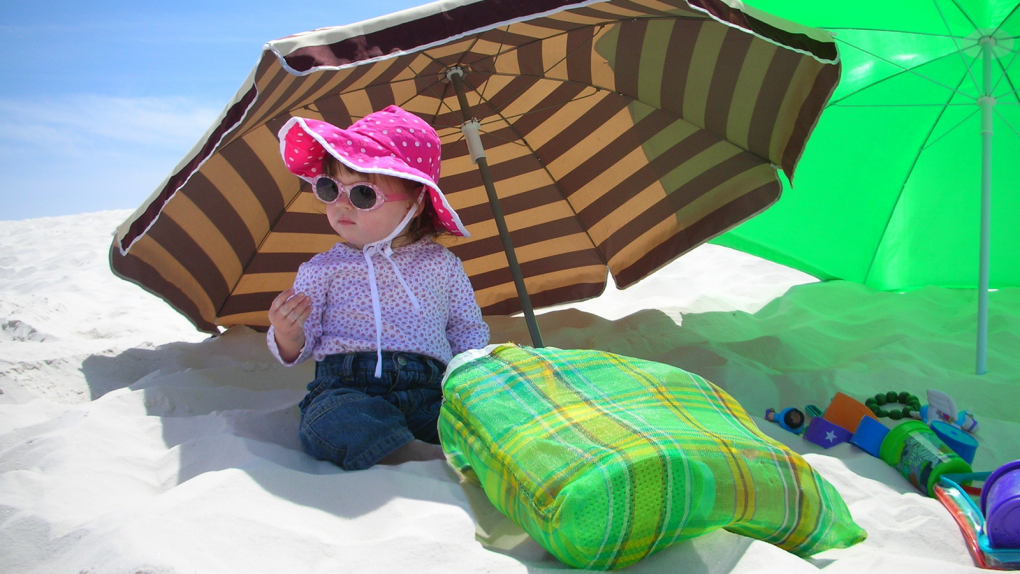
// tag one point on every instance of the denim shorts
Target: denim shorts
(353, 419)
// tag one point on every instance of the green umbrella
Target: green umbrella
(920, 140)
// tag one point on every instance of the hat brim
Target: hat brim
(304, 142)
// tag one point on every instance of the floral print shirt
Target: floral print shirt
(447, 322)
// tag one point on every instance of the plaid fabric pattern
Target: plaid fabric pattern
(605, 459)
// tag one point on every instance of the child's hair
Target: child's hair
(424, 225)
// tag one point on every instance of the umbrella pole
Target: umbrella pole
(470, 130)
(987, 104)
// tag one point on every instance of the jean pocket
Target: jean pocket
(318, 385)
(315, 388)
(431, 401)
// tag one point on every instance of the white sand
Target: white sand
(130, 443)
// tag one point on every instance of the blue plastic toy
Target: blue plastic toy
(791, 419)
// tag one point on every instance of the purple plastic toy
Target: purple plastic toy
(1000, 503)
(826, 434)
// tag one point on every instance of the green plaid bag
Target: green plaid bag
(605, 459)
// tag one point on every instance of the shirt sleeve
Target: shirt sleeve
(311, 280)
(465, 328)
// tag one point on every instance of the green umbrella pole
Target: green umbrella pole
(987, 105)
(470, 130)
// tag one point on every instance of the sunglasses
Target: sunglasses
(363, 195)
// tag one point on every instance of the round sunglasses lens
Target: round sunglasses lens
(326, 190)
(363, 197)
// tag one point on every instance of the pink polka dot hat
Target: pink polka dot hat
(390, 142)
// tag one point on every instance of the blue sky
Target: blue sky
(100, 100)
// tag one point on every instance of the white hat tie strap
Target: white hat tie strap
(385, 248)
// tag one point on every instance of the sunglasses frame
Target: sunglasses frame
(380, 197)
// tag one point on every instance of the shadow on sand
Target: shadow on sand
(226, 403)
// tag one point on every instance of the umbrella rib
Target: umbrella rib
(839, 105)
(435, 123)
(959, 50)
(1008, 94)
(474, 41)
(1005, 121)
(509, 100)
(1004, 69)
(547, 68)
(545, 168)
(827, 28)
(542, 109)
(512, 99)
(556, 184)
(499, 52)
(1005, 76)
(441, 97)
(904, 70)
(502, 118)
(899, 196)
(442, 102)
(440, 105)
(524, 143)
(1010, 15)
(430, 88)
(962, 11)
(950, 130)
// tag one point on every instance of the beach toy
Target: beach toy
(941, 407)
(846, 412)
(964, 420)
(911, 405)
(826, 433)
(791, 419)
(869, 436)
(972, 522)
(914, 450)
(962, 443)
(1000, 503)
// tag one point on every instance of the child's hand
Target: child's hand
(288, 314)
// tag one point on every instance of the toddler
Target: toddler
(384, 310)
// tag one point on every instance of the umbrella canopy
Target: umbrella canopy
(918, 151)
(619, 135)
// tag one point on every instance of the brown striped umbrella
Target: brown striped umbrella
(619, 134)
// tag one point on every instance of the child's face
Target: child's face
(359, 228)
